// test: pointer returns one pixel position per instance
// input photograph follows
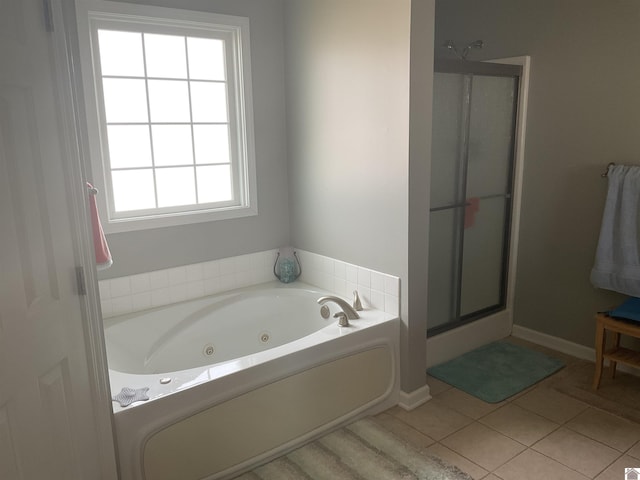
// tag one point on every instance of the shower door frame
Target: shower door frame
(517, 68)
(455, 342)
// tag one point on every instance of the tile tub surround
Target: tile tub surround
(122, 295)
(377, 290)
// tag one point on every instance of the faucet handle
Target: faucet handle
(357, 304)
(343, 321)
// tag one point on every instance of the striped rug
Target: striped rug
(363, 450)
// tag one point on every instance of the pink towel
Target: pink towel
(473, 205)
(103, 255)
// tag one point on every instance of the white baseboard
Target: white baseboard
(410, 401)
(556, 343)
(564, 346)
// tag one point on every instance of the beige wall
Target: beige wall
(584, 111)
(348, 81)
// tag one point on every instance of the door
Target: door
(48, 418)
(474, 131)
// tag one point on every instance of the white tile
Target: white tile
(141, 301)
(328, 265)
(255, 277)
(105, 289)
(120, 286)
(243, 279)
(178, 293)
(121, 305)
(377, 300)
(315, 261)
(211, 269)
(227, 266)
(391, 285)
(257, 261)
(364, 277)
(269, 258)
(160, 297)
(243, 263)
(391, 305)
(107, 309)
(326, 282)
(377, 281)
(211, 285)
(177, 276)
(195, 289)
(313, 277)
(340, 270)
(140, 283)
(227, 282)
(352, 274)
(340, 286)
(195, 272)
(158, 279)
(265, 276)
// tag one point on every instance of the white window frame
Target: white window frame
(95, 14)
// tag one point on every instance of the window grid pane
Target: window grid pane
(168, 101)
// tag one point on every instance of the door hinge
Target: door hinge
(80, 281)
(48, 15)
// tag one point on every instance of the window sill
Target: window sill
(176, 219)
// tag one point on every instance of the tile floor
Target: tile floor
(538, 434)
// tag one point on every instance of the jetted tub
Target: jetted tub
(241, 377)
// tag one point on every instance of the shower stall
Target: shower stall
(472, 182)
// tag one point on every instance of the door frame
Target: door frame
(464, 338)
(68, 88)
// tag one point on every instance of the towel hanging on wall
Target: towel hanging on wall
(617, 263)
(103, 255)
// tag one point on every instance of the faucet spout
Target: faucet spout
(346, 308)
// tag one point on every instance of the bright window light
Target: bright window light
(173, 113)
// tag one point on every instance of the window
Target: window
(168, 96)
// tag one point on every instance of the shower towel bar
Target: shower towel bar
(606, 172)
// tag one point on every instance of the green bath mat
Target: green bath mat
(496, 371)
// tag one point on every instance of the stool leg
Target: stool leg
(600, 340)
(614, 364)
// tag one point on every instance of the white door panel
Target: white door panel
(47, 418)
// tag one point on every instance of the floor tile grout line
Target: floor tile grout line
(466, 458)
(567, 423)
(605, 468)
(563, 464)
(530, 447)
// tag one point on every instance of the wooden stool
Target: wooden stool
(616, 353)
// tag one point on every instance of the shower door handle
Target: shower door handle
(466, 204)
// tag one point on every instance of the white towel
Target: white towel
(617, 263)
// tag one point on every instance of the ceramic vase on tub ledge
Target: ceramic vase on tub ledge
(287, 266)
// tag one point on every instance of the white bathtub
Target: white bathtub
(252, 373)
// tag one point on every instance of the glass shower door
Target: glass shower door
(471, 184)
